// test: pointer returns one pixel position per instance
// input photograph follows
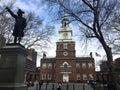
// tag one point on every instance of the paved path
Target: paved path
(71, 86)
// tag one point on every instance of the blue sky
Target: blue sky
(40, 9)
(34, 6)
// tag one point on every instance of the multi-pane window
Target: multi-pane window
(44, 65)
(44, 76)
(84, 77)
(78, 76)
(91, 77)
(49, 65)
(65, 67)
(83, 65)
(65, 46)
(90, 65)
(49, 76)
(77, 65)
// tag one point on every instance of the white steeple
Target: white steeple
(65, 32)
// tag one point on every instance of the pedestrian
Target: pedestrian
(83, 86)
(40, 84)
(59, 86)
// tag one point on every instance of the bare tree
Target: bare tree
(5, 28)
(93, 15)
(5, 19)
(114, 26)
(37, 34)
(4, 4)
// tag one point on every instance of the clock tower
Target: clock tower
(66, 67)
(65, 45)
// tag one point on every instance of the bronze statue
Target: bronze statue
(20, 25)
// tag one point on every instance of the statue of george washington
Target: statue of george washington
(20, 24)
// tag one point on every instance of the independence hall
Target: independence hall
(66, 67)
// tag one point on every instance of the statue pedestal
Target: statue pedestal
(12, 67)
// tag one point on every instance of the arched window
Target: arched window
(65, 67)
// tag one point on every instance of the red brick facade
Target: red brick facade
(30, 66)
(77, 69)
(103, 74)
(70, 49)
(66, 67)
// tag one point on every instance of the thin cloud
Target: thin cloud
(32, 6)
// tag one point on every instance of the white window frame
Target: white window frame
(91, 77)
(90, 65)
(44, 76)
(77, 65)
(44, 65)
(78, 77)
(49, 76)
(49, 65)
(83, 65)
(65, 45)
(84, 77)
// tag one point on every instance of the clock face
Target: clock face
(65, 53)
(65, 35)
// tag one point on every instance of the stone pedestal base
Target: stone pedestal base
(12, 67)
(13, 86)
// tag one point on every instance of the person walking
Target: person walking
(59, 86)
(40, 84)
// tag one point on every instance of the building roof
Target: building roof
(78, 59)
(48, 60)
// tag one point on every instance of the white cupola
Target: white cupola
(65, 32)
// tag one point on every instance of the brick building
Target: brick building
(103, 74)
(117, 69)
(66, 67)
(30, 66)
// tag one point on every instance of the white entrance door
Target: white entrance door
(65, 77)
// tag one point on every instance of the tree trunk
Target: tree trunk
(111, 74)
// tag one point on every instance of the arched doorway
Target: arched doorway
(66, 77)
(65, 71)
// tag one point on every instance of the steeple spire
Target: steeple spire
(65, 21)
(65, 15)
(65, 32)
